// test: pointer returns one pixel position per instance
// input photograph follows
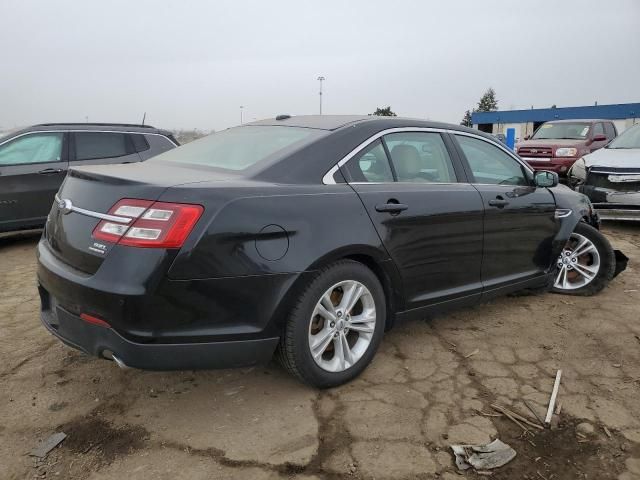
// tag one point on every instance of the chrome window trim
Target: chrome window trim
(34, 132)
(89, 213)
(328, 179)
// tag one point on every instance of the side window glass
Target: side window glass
(139, 142)
(92, 145)
(489, 164)
(370, 165)
(420, 157)
(598, 129)
(32, 148)
(610, 131)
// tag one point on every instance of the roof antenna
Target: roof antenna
(143, 118)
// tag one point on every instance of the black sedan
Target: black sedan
(307, 237)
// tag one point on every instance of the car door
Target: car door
(519, 220)
(430, 224)
(99, 148)
(32, 168)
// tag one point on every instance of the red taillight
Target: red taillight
(94, 320)
(151, 225)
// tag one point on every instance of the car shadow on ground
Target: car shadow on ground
(28, 236)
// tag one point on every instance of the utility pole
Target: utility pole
(321, 79)
(241, 107)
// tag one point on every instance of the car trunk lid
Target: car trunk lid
(90, 192)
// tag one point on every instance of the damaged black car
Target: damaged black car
(306, 238)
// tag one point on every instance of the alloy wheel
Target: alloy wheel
(342, 325)
(578, 264)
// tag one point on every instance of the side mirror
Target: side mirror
(599, 138)
(545, 179)
(527, 137)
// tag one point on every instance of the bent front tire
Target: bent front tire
(335, 326)
(587, 263)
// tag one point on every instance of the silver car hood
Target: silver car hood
(615, 158)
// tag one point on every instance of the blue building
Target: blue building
(526, 121)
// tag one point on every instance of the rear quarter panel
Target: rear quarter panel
(271, 230)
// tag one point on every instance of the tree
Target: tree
(384, 112)
(466, 120)
(488, 102)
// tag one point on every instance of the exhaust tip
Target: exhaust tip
(111, 356)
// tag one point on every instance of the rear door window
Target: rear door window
(95, 145)
(32, 148)
(371, 165)
(420, 157)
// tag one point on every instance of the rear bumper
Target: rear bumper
(163, 324)
(106, 342)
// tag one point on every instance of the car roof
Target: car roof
(335, 122)
(92, 127)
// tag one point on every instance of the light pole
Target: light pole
(241, 107)
(321, 79)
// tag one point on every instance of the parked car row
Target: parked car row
(594, 160)
(306, 237)
(556, 145)
(34, 162)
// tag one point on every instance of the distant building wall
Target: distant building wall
(524, 121)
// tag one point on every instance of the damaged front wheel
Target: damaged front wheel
(586, 264)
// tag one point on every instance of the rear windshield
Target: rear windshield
(557, 131)
(242, 147)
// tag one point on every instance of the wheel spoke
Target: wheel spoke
(565, 280)
(321, 344)
(361, 328)
(585, 271)
(350, 297)
(364, 317)
(345, 350)
(324, 313)
(326, 307)
(581, 243)
(559, 277)
(585, 247)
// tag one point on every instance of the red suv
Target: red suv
(556, 145)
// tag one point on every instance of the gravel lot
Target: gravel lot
(423, 392)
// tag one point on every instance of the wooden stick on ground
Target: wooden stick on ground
(552, 400)
(533, 411)
(515, 415)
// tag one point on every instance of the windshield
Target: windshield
(556, 131)
(242, 147)
(630, 138)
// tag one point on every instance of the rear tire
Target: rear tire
(335, 326)
(591, 269)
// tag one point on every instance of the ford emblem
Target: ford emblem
(65, 206)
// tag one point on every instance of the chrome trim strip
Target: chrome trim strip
(89, 213)
(563, 212)
(83, 131)
(327, 179)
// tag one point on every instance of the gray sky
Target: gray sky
(193, 63)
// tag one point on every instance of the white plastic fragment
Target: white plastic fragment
(483, 457)
(44, 447)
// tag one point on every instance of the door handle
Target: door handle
(391, 207)
(498, 202)
(49, 171)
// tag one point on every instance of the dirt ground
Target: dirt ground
(425, 390)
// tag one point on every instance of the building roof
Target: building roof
(609, 112)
